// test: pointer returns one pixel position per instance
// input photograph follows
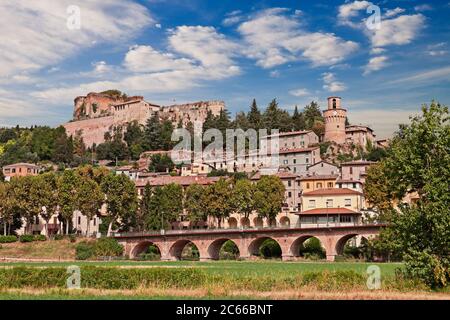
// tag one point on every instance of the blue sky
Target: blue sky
(182, 51)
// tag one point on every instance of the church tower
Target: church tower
(335, 121)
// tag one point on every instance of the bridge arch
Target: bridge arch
(253, 248)
(245, 222)
(232, 223)
(141, 247)
(296, 245)
(340, 244)
(216, 245)
(177, 247)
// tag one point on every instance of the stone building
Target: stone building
(98, 113)
(335, 117)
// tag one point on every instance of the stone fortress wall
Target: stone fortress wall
(98, 113)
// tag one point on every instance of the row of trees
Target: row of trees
(161, 206)
(59, 194)
(87, 188)
(156, 134)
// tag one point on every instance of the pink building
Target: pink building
(355, 170)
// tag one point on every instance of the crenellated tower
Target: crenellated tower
(335, 121)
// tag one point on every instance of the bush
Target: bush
(26, 238)
(39, 237)
(108, 247)
(312, 249)
(270, 249)
(84, 250)
(229, 251)
(8, 239)
(72, 238)
(58, 237)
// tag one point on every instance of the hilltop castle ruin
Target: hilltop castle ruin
(98, 113)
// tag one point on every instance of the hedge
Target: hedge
(8, 239)
(40, 237)
(26, 238)
(102, 277)
(104, 247)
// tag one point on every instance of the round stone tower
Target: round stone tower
(335, 121)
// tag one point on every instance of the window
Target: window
(294, 161)
(307, 185)
(334, 103)
(330, 184)
(319, 185)
(285, 161)
(289, 183)
(95, 222)
(329, 203)
(351, 170)
(307, 160)
(348, 202)
(346, 219)
(311, 203)
(295, 169)
(79, 220)
(289, 194)
(354, 185)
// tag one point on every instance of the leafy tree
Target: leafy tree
(269, 196)
(243, 197)
(63, 147)
(275, 118)
(166, 135)
(218, 200)
(46, 197)
(121, 198)
(298, 120)
(67, 185)
(164, 206)
(161, 163)
(6, 213)
(195, 202)
(89, 199)
(241, 121)
(312, 113)
(152, 134)
(418, 161)
(254, 116)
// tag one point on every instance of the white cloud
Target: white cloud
(375, 64)
(351, 10)
(377, 50)
(204, 44)
(428, 76)
(398, 31)
(35, 34)
(394, 12)
(274, 74)
(301, 92)
(273, 38)
(232, 18)
(204, 55)
(146, 59)
(423, 7)
(331, 84)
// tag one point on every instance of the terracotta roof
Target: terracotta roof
(290, 133)
(331, 191)
(320, 177)
(281, 175)
(22, 164)
(323, 211)
(348, 181)
(358, 128)
(297, 150)
(357, 163)
(315, 164)
(181, 180)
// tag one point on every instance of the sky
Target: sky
(383, 66)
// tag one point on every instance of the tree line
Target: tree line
(162, 205)
(87, 188)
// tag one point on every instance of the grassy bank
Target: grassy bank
(60, 249)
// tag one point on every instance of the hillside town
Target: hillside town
(320, 188)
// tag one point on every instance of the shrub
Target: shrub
(39, 237)
(58, 237)
(312, 249)
(8, 239)
(72, 238)
(270, 249)
(107, 247)
(84, 250)
(26, 238)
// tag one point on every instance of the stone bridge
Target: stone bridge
(248, 241)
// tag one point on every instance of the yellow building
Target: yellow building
(317, 182)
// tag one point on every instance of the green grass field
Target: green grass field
(263, 267)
